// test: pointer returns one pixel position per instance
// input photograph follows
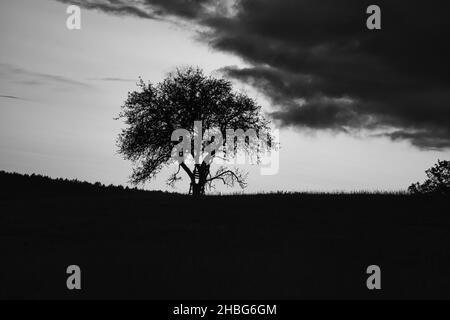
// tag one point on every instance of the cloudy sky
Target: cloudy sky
(358, 109)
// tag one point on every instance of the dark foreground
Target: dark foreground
(132, 244)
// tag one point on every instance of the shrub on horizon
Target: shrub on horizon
(438, 181)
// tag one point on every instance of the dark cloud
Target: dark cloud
(149, 9)
(425, 139)
(309, 56)
(323, 69)
(117, 7)
(323, 113)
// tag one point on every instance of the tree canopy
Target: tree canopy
(154, 112)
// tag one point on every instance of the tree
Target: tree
(188, 100)
(438, 181)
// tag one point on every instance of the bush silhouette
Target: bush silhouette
(438, 180)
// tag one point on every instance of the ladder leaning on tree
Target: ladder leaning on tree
(197, 177)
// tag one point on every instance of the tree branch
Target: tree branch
(188, 171)
(230, 178)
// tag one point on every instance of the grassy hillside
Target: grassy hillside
(136, 244)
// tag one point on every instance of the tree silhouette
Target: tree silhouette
(184, 98)
(438, 180)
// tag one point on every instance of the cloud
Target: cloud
(309, 56)
(322, 68)
(148, 9)
(33, 78)
(425, 139)
(116, 7)
(113, 79)
(10, 97)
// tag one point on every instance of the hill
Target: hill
(137, 244)
(14, 184)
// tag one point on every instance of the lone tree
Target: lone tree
(183, 100)
(438, 180)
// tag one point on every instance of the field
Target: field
(143, 245)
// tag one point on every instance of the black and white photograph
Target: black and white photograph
(224, 158)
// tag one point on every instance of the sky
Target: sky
(357, 109)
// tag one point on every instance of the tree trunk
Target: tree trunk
(198, 190)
